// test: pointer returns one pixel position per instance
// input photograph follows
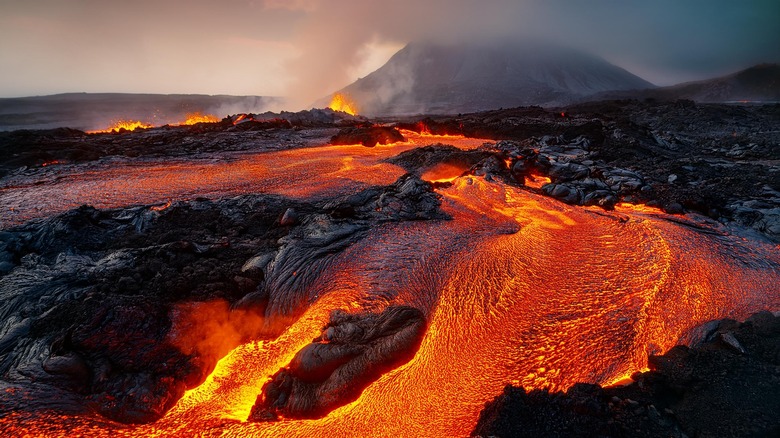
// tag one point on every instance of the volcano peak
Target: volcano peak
(433, 77)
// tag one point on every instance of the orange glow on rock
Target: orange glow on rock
(341, 102)
(536, 181)
(424, 130)
(442, 172)
(160, 207)
(426, 135)
(625, 378)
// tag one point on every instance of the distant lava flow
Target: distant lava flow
(132, 125)
(299, 173)
(517, 288)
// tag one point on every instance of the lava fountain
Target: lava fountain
(516, 289)
(341, 102)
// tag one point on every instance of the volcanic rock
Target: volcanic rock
(563, 192)
(568, 172)
(290, 217)
(247, 122)
(370, 136)
(419, 160)
(674, 208)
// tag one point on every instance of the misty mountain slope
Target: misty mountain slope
(431, 78)
(758, 83)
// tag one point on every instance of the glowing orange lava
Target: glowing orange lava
(637, 208)
(424, 130)
(127, 125)
(517, 288)
(197, 117)
(318, 171)
(443, 172)
(160, 207)
(341, 102)
(536, 181)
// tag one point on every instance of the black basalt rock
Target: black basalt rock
(370, 136)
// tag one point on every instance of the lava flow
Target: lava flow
(318, 171)
(516, 288)
(343, 103)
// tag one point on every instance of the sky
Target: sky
(306, 49)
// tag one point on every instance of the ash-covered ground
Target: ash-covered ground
(96, 300)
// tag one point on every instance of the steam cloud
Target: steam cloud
(211, 329)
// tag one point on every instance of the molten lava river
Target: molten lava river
(516, 288)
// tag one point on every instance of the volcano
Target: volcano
(434, 78)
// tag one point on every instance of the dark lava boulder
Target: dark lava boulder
(419, 160)
(250, 124)
(352, 352)
(370, 136)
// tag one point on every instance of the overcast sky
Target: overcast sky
(309, 48)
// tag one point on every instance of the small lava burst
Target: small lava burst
(126, 125)
(198, 117)
(341, 102)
